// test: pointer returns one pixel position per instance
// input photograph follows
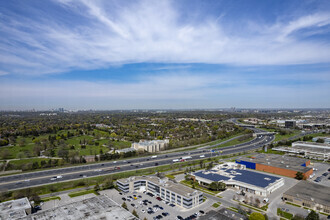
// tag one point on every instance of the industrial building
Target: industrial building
(151, 146)
(100, 207)
(311, 195)
(236, 176)
(277, 164)
(308, 150)
(166, 189)
(15, 209)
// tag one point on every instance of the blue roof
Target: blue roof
(254, 178)
(211, 176)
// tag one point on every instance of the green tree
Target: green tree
(97, 187)
(312, 216)
(124, 206)
(256, 216)
(135, 214)
(299, 175)
(217, 186)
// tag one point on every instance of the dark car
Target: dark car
(325, 174)
(156, 164)
(123, 199)
(159, 216)
(139, 196)
(161, 208)
(179, 217)
(132, 204)
(201, 211)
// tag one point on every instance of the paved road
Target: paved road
(27, 180)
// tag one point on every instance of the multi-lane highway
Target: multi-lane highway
(26, 180)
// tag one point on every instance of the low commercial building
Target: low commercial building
(308, 150)
(311, 195)
(15, 209)
(277, 164)
(100, 207)
(223, 214)
(241, 179)
(166, 189)
(151, 146)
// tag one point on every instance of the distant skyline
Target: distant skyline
(164, 54)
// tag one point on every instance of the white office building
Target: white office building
(151, 146)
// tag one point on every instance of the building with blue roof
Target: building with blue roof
(241, 179)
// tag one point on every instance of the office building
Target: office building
(277, 164)
(166, 189)
(290, 124)
(311, 195)
(239, 178)
(151, 146)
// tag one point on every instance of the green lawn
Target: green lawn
(279, 137)
(46, 199)
(24, 149)
(216, 205)
(235, 141)
(286, 215)
(80, 193)
(293, 204)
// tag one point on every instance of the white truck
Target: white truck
(186, 158)
(153, 156)
(176, 160)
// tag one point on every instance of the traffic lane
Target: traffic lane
(93, 173)
(62, 171)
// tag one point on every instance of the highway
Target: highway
(26, 180)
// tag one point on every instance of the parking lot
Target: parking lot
(143, 203)
(322, 174)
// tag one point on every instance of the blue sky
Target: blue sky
(164, 54)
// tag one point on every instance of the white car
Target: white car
(114, 161)
(54, 178)
(202, 156)
(27, 180)
(59, 177)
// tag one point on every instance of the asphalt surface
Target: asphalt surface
(32, 179)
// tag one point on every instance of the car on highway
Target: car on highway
(201, 156)
(53, 178)
(59, 177)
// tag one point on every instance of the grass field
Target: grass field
(80, 193)
(236, 141)
(279, 137)
(24, 147)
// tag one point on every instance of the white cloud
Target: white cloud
(145, 32)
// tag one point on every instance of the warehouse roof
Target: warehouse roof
(244, 176)
(281, 161)
(100, 207)
(310, 191)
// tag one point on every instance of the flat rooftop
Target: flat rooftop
(165, 183)
(222, 214)
(310, 191)
(281, 161)
(239, 175)
(100, 207)
(14, 209)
